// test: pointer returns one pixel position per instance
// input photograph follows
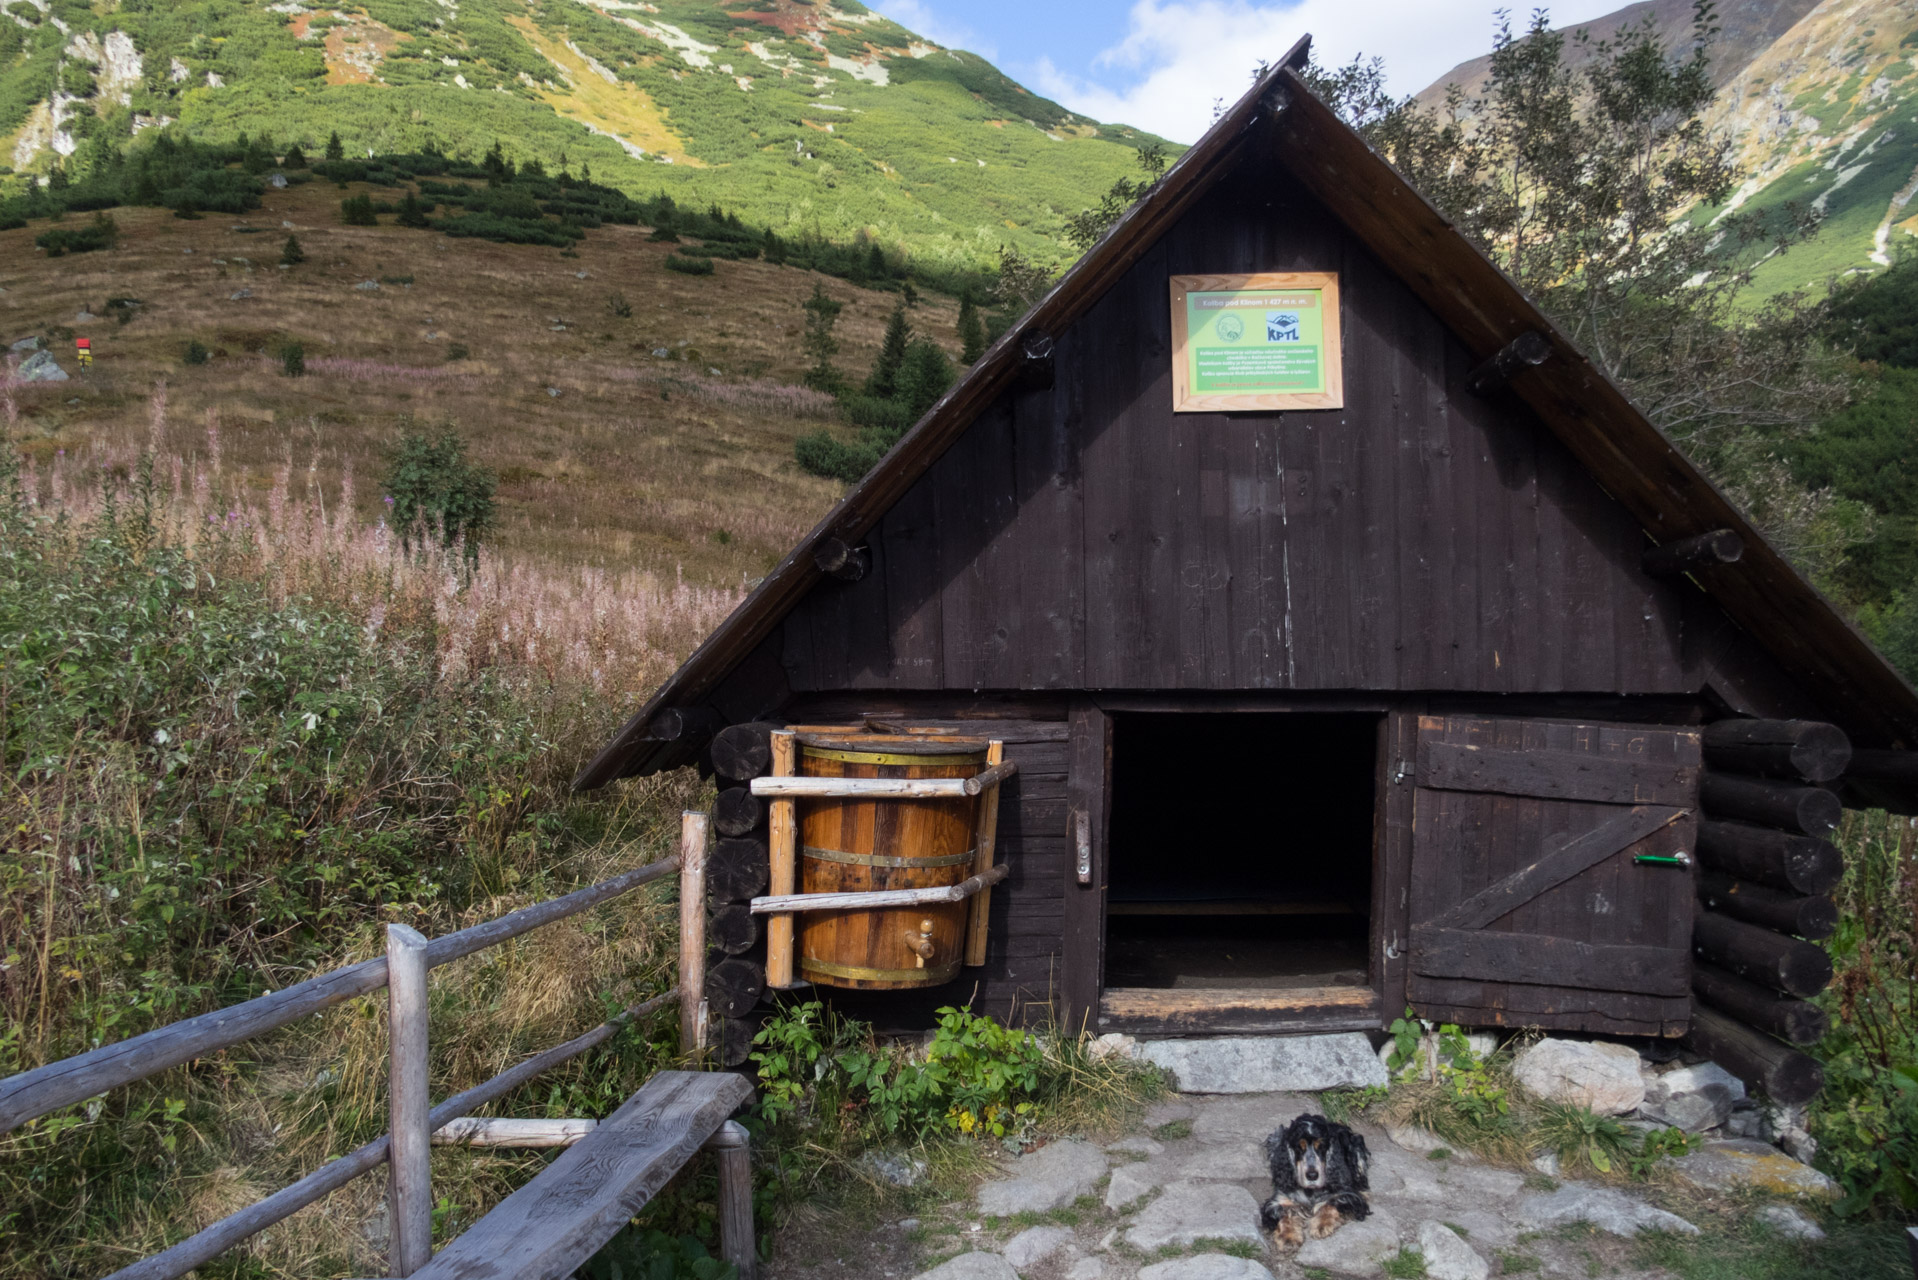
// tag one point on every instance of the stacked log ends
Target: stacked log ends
(1782, 1073)
(1777, 859)
(1812, 811)
(1811, 917)
(1763, 894)
(1797, 749)
(742, 752)
(737, 870)
(735, 1040)
(738, 812)
(1755, 952)
(733, 987)
(734, 929)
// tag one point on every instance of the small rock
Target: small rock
(235, 297)
(40, 367)
(368, 286)
(1748, 1122)
(283, 222)
(1602, 1077)
(1263, 1064)
(1604, 1208)
(714, 372)
(186, 251)
(1106, 1241)
(1138, 1145)
(1482, 1183)
(1131, 1183)
(1206, 1266)
(553, 392)
(1447, 1257)
(908, 1224)
(972, 1266)
(1799, 1145)
(1790, 1222)
(285, 266)
(1486, 1228)
(1236, 1162)
(1050, 1178)
(1739, 1162)
(1034, 1246)
(663, 353)
(1546, 1162)
(1692, 1098)
(895, 1167)
(1164, 1113)
(1404, 1174)
(1188, 1212)
(579, 275)
(1087, 1269)
(1421, 1142)
(83, 317)
(1113, 1044)
(25, 344)
(1357, 1247)
(277, 181)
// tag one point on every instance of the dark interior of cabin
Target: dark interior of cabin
(1240, 849)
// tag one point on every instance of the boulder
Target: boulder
(25, 344)
(971, 1266)
(1356, 1247)
(83, 316)
(1206, 1266)
(1481, 1183)
(368, 286)
(1692, 1098)
(1447, 1256)
(1604, 1208)
(1421, 1142)
(1487, 1227)
(1226, 1162)
(1087, 1269)
(1110, 1045)
(40, 367)
(1739, 1162)
(895, 1167)
(1050, 1178)
(1264, 1064)
(1584, 1073)
(1138, 1145)
(1188, 1212)
(1036, 1245)
(1790, 1222)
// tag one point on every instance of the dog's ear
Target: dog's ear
(1278, 1157)
(1357, 1157)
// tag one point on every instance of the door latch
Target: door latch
(1082, 830)
(1679, 859)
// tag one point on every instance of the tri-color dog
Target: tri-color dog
(1318, 1180)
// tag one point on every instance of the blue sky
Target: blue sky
(1160, 64)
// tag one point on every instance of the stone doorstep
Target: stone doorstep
(1267, 1064)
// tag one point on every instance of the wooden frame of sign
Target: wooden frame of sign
(1329, 390)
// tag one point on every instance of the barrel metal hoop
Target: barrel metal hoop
(885, 860)
(879, 757)
(927, 977)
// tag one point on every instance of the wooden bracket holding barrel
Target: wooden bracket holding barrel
(884, 844)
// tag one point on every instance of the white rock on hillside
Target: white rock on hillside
(1602, 1077)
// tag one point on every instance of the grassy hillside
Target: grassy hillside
(609, 453)
(801, 116)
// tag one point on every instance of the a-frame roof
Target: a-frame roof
(1631, 458)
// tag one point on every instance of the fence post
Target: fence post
(692, 933)
(410, 1191)
(731, 1147)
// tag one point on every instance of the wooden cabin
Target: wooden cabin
(1442, 680)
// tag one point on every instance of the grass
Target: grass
(1745, 1249)
(1173, 1130)
(1406, 1264)
(632, 468)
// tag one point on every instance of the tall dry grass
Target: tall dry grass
(548, 658)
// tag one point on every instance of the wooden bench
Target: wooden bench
(563, 1216)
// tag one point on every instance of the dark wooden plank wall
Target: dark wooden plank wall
(1419, 539)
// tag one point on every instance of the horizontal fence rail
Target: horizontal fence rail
(60, 1084)
(202, 1247)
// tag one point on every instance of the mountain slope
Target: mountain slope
(800, 115)
(1821, 103)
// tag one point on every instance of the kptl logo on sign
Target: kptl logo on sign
(1267, 341)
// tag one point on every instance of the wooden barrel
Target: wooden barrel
(849, 846)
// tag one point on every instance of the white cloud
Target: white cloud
(1178, 57)
(918, 17)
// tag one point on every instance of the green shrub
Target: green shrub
(101, 233)
(357, 211)
(291, 254)
(293, 360)
(456, 351)
(438, 494)
(620, 308)
(689, 266)
(972, 331)
(195, 353)
(413, 213)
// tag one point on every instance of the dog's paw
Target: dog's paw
(1325, 1221)
(1290, 1233)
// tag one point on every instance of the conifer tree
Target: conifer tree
(822, 313)
(412, 212)
(972, 330)
(335, 149)
(295, 157)
(291, 254)
(883, 381)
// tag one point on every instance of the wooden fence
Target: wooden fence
(414, 1122)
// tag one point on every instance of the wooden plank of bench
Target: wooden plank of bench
(557, 1221)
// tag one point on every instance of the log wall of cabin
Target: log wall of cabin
(1421, 538)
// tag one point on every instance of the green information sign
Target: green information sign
(1256, 341)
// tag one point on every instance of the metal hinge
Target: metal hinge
(1082, 833)
(1403, 771)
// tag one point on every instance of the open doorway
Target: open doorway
(1240, 851)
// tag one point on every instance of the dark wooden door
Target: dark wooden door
(1534, 897)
